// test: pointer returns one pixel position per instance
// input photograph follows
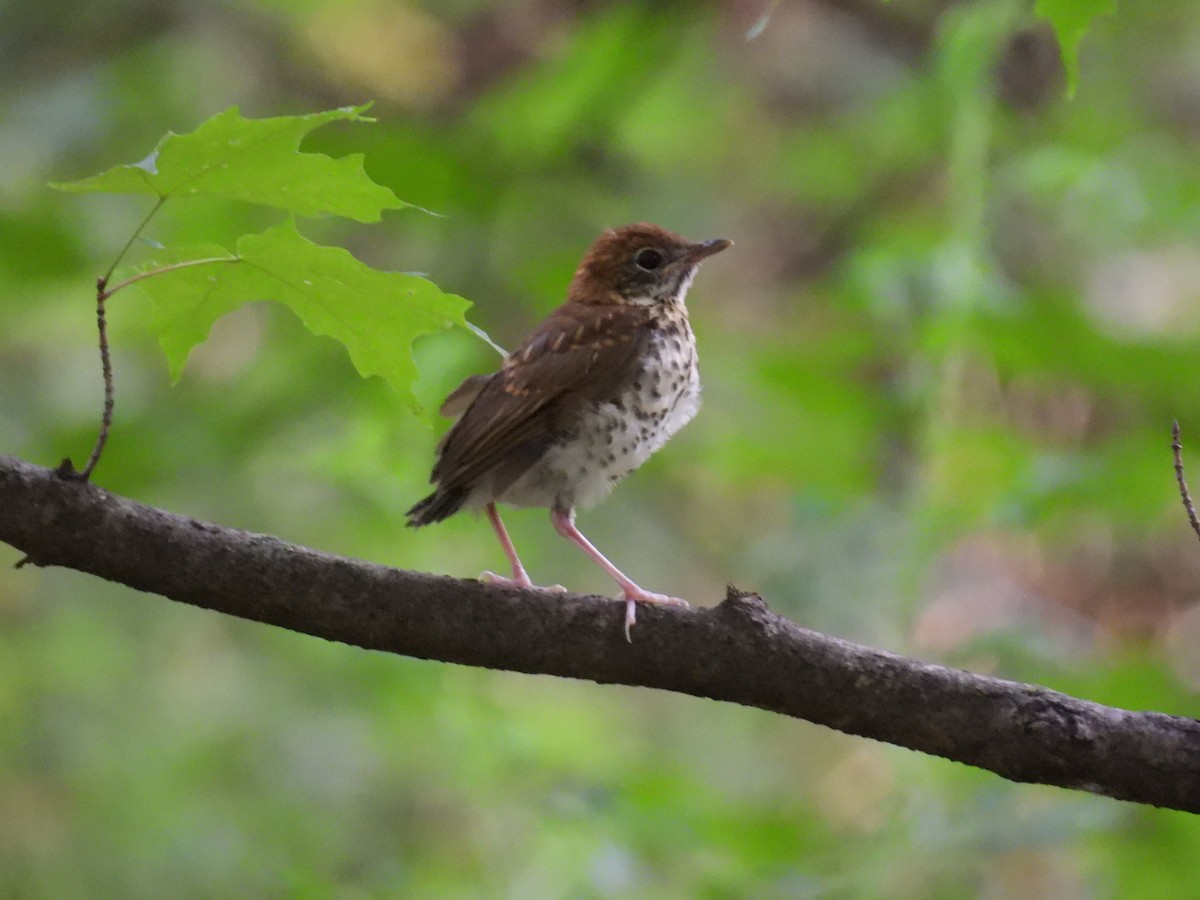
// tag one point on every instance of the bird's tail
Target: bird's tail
(441, 504)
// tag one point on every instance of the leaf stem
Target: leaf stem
(162, 270)
(133, 237)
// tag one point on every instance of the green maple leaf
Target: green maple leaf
(1071, 19)
(376, 315)
(256, 160)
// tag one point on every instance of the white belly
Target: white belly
(615, 438)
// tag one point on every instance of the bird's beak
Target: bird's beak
(705, 249)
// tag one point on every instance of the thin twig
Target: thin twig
(1184, 494)
(102, 294)
(106, 369)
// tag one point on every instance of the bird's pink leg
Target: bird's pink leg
(520, 576)
(564, 524)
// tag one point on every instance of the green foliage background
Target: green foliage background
(941, 366)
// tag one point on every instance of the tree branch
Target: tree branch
(737, 651)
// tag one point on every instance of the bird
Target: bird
(590, 393)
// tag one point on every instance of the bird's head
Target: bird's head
(642, 265)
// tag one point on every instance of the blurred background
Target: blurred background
(941, 366)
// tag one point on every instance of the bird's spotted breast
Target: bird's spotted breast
(610, 439)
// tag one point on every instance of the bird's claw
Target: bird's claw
(633, 598)
(489, 577)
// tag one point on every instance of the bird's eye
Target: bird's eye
(648, 259)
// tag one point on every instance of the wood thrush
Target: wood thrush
(588, 396)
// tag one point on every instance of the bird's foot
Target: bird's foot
(492, 578)
(636, 595)
(521, 582)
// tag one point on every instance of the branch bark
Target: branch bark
(737, 651)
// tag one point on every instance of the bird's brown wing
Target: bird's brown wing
(581, 354)
(463, 395)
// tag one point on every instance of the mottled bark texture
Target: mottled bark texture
(737, 651)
